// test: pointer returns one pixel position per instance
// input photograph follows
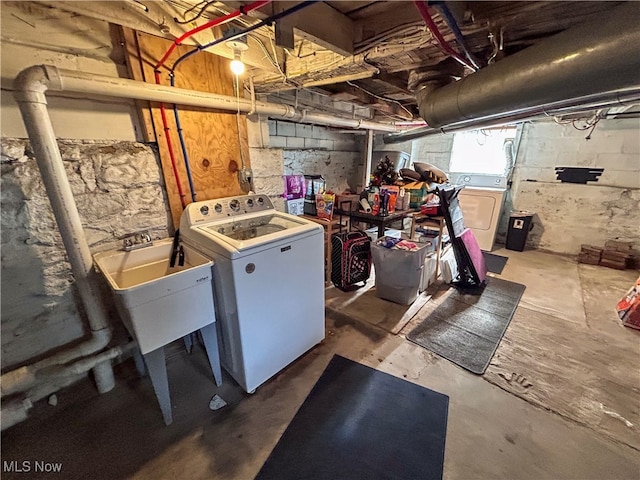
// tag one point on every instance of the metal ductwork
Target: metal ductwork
(593, 58)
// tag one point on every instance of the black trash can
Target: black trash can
(519, 225)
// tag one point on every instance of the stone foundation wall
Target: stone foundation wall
(118, 190)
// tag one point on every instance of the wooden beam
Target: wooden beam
(349, 93)
(320, 24)
(393, 81)
(128, 15)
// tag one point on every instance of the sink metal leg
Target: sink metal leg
(188, 342)
(210, 339)
(158, 372)
(139, 361)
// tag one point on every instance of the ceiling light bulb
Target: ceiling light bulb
(237, 67)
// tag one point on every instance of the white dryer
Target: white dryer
(268, 282)
(481, 204)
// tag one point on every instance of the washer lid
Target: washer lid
(243, 233)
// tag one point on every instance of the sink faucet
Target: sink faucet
(137, 240)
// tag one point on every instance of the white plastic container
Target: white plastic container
(398, 273)
(159, 305)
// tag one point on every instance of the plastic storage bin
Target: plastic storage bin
(519, 225)
(398, 273)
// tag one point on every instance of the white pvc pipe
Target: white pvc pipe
(31, 85)
(56, 378)
(91, 84)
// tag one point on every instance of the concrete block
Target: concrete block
(257, 131)
(619, 161)
(285, 129)
(277, 142)
(304, 131)
(266, 161)
(295, 142)
(272, 127)
(325, 144)
(346, 145)
(311, 143)
(272, 186)
(620, 178)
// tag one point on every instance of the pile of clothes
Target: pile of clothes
(398, 244)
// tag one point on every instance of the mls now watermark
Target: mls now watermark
(31, 466)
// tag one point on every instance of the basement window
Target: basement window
(487, 151)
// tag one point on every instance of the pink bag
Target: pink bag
(293, 186)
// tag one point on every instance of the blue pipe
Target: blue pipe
(266, 21)
(453, 25)
(183, 145)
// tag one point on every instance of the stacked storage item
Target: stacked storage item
(399, 272)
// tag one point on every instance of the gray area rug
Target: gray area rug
(466, 328)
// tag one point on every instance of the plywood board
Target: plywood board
(216, 141)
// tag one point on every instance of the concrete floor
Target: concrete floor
(493, 432)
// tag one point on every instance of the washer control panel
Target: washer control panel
(211, 210)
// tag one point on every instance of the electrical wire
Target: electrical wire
(390, 100)
(167, 136)
(200, 13)
(262, 23)
(212, 23)
(183, 145)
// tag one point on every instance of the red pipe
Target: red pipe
(167, 136)
(431, 25)
(178, 41)
(209, 24)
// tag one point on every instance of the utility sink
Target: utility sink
(159, 304)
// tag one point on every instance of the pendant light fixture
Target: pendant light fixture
(238, 46)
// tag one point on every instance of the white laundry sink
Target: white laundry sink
(157, 304)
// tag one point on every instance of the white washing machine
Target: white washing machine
(481, 204)
(268, 282)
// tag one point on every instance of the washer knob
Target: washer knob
(235, 227)
(260, 200)
(204, 210)
(235, 205)
(250, 203)
(218, 208)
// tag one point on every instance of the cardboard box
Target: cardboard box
(295, 207)
(354, 202)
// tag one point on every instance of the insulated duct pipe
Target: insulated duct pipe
(91, 84)
(618, 98)
(594, 57)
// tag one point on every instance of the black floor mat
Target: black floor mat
(359, 423)
(468, 326)
(495, 263)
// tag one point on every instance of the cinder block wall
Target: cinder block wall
(567, 214)
(280, 148)
(118, 189)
